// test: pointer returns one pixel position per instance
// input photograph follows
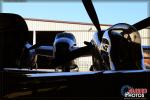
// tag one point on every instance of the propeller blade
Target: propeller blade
(83, 51)
(93, 16)
(142, 24)
(80, 52)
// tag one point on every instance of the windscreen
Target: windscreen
(126, 31)
(65, 35)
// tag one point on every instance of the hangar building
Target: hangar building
(44, 31)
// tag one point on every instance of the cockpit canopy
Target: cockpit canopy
(126, 31)
(66, 35)
(122, 43)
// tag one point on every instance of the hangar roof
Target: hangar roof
(67, 22)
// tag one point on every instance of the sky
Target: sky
(109, 12)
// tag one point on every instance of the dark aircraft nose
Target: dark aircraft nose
(62, 49)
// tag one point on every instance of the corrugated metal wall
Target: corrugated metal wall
(145, 36)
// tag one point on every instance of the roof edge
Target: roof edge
(59, 21)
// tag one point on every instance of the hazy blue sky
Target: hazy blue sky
(108, 12)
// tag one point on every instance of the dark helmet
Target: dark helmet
(122, 44)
